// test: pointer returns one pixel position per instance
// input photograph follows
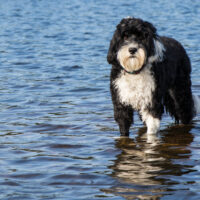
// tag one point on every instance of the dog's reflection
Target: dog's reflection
(143, 169)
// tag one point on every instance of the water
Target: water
(58, 139)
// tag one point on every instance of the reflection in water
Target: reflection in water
(145, 170)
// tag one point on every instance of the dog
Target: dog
(151, 75)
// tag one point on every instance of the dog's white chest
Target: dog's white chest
(136, 90)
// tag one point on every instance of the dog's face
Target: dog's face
(132, 44)
(131, 55)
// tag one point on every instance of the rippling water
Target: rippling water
(58, 139)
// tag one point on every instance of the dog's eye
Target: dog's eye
(125, 37)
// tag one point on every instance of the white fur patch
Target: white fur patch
(153, 124)
(128, 17)
(159, 52)
(136, 90)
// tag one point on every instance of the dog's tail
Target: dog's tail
(196, 100)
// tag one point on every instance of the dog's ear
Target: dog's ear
(149, 29)
(112, 52)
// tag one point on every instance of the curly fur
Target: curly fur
(163, 84)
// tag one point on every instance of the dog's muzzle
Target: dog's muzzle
(132, 50)
(132, 58)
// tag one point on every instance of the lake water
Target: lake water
(58, 138)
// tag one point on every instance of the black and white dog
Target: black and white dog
(150, 74)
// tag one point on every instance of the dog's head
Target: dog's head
(133, 43)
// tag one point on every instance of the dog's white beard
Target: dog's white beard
(131, 63)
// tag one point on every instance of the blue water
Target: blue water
(58, 138)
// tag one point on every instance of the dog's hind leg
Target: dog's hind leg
(183, 100)
(170, 106)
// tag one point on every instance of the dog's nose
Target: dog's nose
(133, 50)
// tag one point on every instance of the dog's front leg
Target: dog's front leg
(124, 117)
(152, 123)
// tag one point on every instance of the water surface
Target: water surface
(58, 138)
